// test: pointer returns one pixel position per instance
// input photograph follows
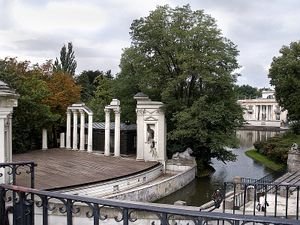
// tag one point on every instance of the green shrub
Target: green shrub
(276, 148)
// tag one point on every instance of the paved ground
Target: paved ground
(58, 168)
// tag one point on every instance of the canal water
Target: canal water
(200, 190)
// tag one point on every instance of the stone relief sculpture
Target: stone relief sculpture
(183, 155)
(151, 141)
(294, 148)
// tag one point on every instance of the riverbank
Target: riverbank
(253, 154)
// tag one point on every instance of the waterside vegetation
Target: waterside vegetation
(273, 152)
(262, 159)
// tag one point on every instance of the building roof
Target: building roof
(101, 126)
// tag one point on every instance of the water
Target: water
(200, 190)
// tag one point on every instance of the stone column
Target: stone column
(62, 140)
(82, 122)
(68, 138)
(107, 132)
(4, 177)
(139, 134)
(10, 137)
(75, 136)
(90, 134)
(117, 132)
(45, 140)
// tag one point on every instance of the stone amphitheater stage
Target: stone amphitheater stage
(59, 168)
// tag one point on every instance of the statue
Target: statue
(150, 140)
(294, 148)
(183, 155)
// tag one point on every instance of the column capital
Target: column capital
(68, 111)
(81, 111)
(117, 110)
(106, 110)
(74, 111)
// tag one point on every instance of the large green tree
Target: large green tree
(32, 113)
(247, 92)
(180, 57)
(285, 76)
(67, 62)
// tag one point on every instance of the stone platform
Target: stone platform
(60, 168)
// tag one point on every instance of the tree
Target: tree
(67, 62)
(285, 77)
(32, 114)
(247, 92)
(179, 56)
(102, 95)
(87, 80)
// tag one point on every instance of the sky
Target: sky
(35, 30)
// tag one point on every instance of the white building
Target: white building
(264, 112)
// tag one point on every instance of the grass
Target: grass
(256, 156)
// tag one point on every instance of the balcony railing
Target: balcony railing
(27, 206)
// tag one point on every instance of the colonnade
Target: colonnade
(8, 100)
(115, 107)
(74, 110)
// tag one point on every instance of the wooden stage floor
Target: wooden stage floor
(59, 168)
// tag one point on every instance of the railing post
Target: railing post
(2, 206)
(69, 212)
(45, 210)
(125, 216)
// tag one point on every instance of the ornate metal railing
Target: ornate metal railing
(14, 169)
(84, 210)
(268, 199)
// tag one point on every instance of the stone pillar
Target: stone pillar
(82, 123)
(237, 181)
(9, 144)
(90, 133)
(107, 132)
(62, 140)
(117, 132)
(140, 134)
(4, 176)
(293, 161)
(45, 140)
(75, 136)
(68, 144)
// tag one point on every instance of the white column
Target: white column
(107, 132)
(117, 132)
(82, 122)
(2, 149)
(10, 137)
(75, 136)
(260, 111)
(62, 140)
(68, 136)
(45, 140)
(90, 133)
(140, 134)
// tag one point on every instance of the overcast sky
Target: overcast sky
(36, 30)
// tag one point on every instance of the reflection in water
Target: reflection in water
(200, 190)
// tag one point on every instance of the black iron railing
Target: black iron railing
(84, 210)
(14, 169)
(11, 172)
(268, 199)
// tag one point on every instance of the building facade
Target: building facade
(264, 111)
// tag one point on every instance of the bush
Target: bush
(276, 148)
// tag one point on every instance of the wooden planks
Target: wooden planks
(59, 168)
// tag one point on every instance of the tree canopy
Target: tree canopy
(285, 77)
(44, 96)
(247, 92)
(67, 62)
(180, 57)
